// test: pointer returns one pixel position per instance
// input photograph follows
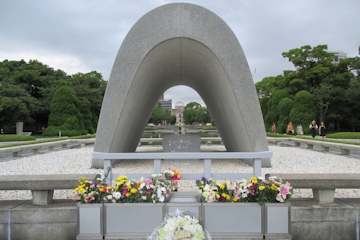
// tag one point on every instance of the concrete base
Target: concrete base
(324, 196)
(55, 221)
(309, 220)
(345, 152)
(42, 197)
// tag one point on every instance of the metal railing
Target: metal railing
(207, 156)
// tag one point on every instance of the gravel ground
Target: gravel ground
(285, 160)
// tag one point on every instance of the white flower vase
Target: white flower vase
(233, 220)
(90, 221)
(277, 220)
(132, 220)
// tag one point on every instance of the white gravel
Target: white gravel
(285, 160)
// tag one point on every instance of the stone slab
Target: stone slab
(181, 143)
(43, 182)
(320, 180)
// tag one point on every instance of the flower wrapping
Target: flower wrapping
(180, 225)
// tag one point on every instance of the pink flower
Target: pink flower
(165, 192)
(161, 178)
(284, 190)
(98, 186)
(167, 195)
(92, 185)
(287, 184)
(125, 192)
(279, 198)
(77, 197)
(147, 181)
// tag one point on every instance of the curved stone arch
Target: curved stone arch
(180, 44)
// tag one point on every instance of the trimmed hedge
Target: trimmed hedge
(209, 128)
(151, 128)
(344, 135)
(13, 138)
(278, 135)
(47, 140)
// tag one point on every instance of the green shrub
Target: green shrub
(66, 114)
(344, 135)
(303, 111)
(13, 137)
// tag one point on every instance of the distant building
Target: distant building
(338, 55)
(166, 103)
(178, 112)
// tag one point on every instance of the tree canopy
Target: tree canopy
(329, 84)
(27, 89)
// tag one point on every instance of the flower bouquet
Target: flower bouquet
(123, 190)
(178, 226)
(253, 190)
(162, 190)
(174, 176)
(89, 192)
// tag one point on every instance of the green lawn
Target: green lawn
(42, 141)
(14, 138)
(344, 135)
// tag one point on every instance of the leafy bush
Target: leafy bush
(66, 114)
(303, 111)
(345, 135)
(13, 137)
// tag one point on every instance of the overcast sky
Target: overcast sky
(85, 35)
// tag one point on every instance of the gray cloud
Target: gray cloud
(85, 35)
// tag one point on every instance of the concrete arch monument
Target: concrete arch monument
(180, 44)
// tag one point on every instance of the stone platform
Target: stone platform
(309, 220)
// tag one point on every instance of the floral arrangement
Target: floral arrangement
(180, 226)
(156, 189)
(162, 188)
(89, 192)
(253, 190)
(172, 174)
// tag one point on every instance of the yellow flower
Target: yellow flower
(254, 181)
(116, 188)
(108, 188)
(101, 189)
(261, 188)
(138, 184)
(235, 200)
(202, 186)
(274, 187)
(253, 178)
(216, 193)
(222, 186)
(81, 190)
(224, 195)
(87, 188)
(129, 187)
(227, 197)
(86, 181)
(76, 189)
(133, 190)
(128, 194)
